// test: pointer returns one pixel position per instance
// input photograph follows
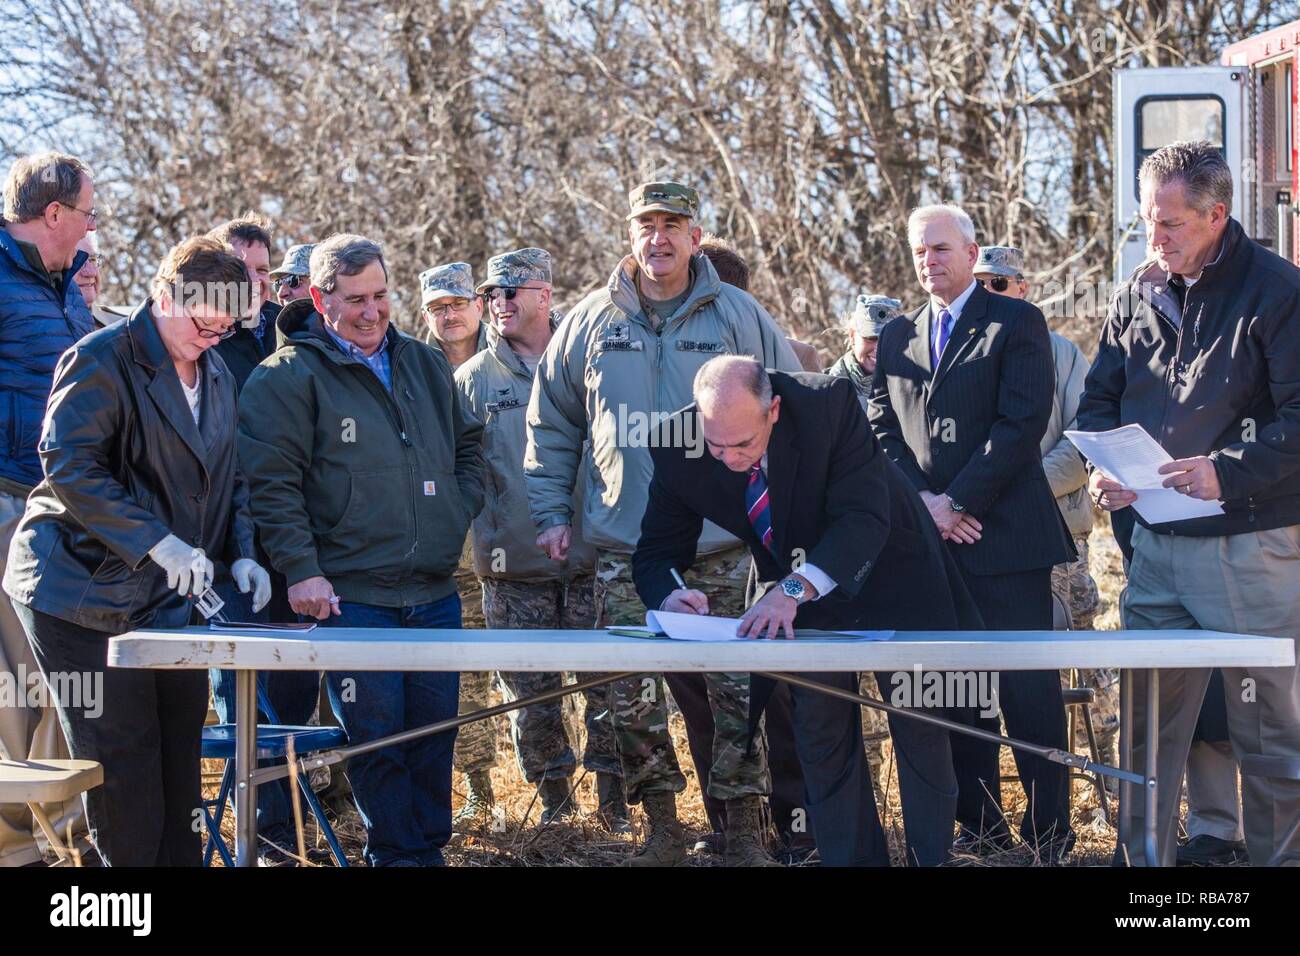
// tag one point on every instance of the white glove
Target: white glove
(188, 569)
(249, 575)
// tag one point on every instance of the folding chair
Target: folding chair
(273, 741)
(35, 782)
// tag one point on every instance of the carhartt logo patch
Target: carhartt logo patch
(430, 488)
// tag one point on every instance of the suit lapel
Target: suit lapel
(212, 409)
(918, 349)
(164, 386)
(966, 330)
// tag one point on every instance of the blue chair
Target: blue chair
(272, 741)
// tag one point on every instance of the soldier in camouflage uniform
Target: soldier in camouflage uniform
(858, 364)
(522, 586)
(1072, 582)
(626, 354)
(453, 312)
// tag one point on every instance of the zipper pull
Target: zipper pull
(406, 441)
(564, 598)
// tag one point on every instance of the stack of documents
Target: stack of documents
(702, 627)
(1130, 456)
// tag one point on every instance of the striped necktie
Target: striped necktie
(759, 506)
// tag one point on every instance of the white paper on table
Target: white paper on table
(702, 627)
(1130, 456)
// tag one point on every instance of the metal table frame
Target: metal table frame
(592, 652)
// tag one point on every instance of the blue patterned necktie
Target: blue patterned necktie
(759, 506)
(941, 335)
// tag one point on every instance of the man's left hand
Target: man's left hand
(1194, 477)
(772, 613)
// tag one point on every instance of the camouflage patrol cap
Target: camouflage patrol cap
(872, 312)
(1000, 261)
(664, 197)
(513, 269)
(297, 261)
(453, 280)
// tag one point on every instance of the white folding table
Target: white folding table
(613, 657)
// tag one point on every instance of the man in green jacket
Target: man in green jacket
(522, 586)
(364, 483)
(622, 361)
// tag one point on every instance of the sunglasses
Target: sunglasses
(507, 292)
(289, 281)
(999, 283)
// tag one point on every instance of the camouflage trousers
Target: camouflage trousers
(639, 705)
(538, 732)
(476, 743)
(875, 729)
(1074, 586)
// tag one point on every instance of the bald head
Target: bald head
(737, 410)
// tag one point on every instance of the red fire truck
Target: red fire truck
(1246, 105)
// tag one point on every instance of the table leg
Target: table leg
(245, 765)
(1151, 820)
(1125, 757)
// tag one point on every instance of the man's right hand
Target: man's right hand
(683, 601)
(314, 597)
(555, 541)
(1109, 495)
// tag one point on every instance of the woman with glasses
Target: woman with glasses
(141, 489)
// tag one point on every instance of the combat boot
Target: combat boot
(479, 800)
(666, 845)
(557, 799)
(612, 811)
(745, 843)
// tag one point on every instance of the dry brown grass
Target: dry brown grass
(514, 837)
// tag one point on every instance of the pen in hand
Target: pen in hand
(695, 602)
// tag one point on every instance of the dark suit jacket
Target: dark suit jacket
(837, 501)
(972, 427)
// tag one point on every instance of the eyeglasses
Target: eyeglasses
(90, 214)
(456, 305)
(507, 292)
(289, 282)
(220, 336)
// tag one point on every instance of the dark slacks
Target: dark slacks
(692, 697)
(1033, 710)
(145, 728)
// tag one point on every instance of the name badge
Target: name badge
(690, 345)
(430, 488)
(619, 345)
(504, 404)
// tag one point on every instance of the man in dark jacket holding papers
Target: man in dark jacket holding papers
(1202, 349)
(794, 471)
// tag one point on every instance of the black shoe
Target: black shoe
(989, 843)
(557, 799)
(1206, 850)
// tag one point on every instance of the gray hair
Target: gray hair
(719, 375)
(1199, 166)
(38, 180)
(923, 214)
(343, 254)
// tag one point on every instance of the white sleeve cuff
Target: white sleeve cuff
(817, 578)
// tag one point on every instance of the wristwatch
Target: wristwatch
(794, 588)
(954, 506)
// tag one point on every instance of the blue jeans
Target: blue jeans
(292, 695)
(403, 792)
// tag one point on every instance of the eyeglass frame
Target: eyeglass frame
(437, 311)
(999, 283)
(291, 279)
(91, 215)
(206, 333)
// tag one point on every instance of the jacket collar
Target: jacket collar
(704, 287)
(1151, 283)
(10, 245)
(500, 348)
(148, 350)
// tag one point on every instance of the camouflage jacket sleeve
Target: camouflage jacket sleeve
(557, 426)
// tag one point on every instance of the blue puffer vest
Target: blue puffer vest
(36, 327)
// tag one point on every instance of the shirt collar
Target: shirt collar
(351, 348)
(955, 306)
(1188, 281)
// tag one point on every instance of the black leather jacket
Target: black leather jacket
(125, 466)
